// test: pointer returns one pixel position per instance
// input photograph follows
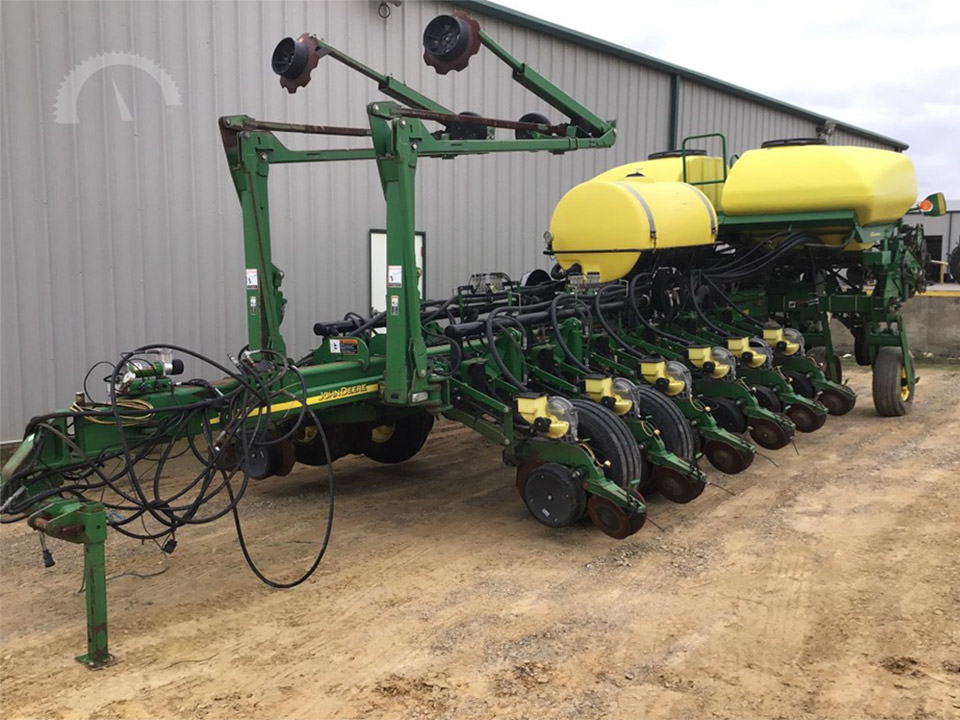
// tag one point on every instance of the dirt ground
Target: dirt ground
(827, 586)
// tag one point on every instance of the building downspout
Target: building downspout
(674, 142)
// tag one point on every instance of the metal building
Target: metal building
(120, 222)
(942, 235)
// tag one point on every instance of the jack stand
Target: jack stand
(86, 523)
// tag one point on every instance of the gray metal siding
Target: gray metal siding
(745, 123)
(125, 228)
(844, 137)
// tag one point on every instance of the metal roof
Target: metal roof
(528, 21)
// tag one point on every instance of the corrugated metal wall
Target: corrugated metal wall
(745, 123)
(124, 227)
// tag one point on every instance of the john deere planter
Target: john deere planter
(688, 311)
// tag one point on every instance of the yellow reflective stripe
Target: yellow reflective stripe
(926, 293)
(939, 293)
(324, 397)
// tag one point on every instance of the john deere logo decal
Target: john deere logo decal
(65, 107)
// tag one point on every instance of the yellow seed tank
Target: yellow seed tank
(604, 225)
(878, 185)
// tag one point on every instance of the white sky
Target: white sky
(889, 66)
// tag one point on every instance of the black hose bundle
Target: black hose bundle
(149, 434)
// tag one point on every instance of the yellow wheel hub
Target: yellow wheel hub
(904, 387)
(382, 433)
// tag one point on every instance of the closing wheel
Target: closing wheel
(400, 440)
(802, 385)
(806, 419)
(612, 519)
(768, 398)
(286, 460)
(837, 403)
(892, 394)
(675, 430)
(728, 414)
(677, 487)
(726, 458)
(269, 459)
(552, 495)
(611, 442)
(768, 434)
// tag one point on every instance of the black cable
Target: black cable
(731, 303)
(495, 352)
(696, 306)
(326, 537)
(608, 328)
(632, 300)
(555, 323)
(257, 387)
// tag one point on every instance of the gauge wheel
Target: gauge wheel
(728, 414)
(802, 385)
(612, 444)
(675, 429)
(768, 398)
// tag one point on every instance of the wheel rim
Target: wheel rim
(904, 385)
(382, 433)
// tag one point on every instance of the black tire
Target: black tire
(768, 398)
(530, 118)
(401, 442)
(308, 448)
(610, 440)
(675, 430)
(891, 396)
(728, 414)
(802, 385)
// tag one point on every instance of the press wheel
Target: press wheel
(837, 402)
(612, 519)
(769, 434)
(726, 458)
(806, 419)
(677, 487)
